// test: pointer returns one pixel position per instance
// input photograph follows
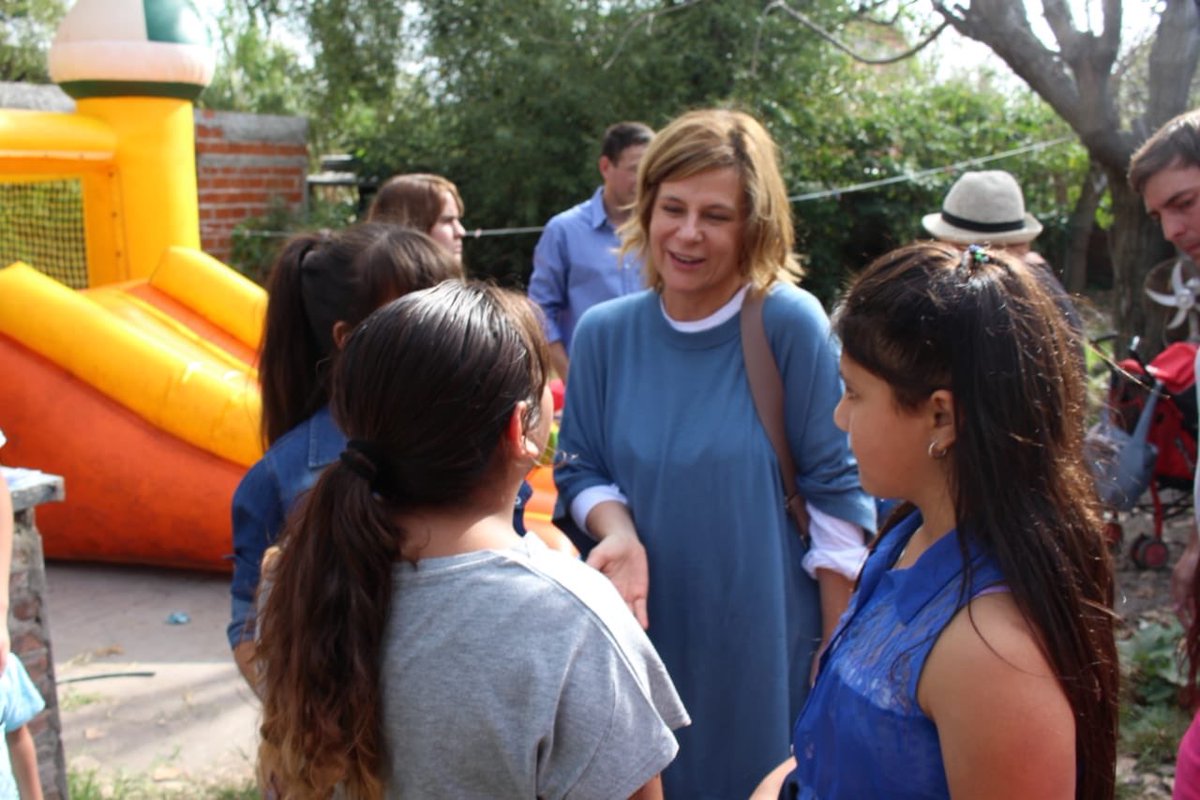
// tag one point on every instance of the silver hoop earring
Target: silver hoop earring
(935, 453)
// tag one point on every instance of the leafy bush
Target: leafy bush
(1152, 719)
(256, 241)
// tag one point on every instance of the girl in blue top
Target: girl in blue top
(976, 658)
(321, 286)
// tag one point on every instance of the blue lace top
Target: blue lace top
(862, 733)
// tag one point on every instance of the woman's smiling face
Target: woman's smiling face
(695, 241)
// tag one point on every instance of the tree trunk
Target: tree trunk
(1078, 82)
(1079, 229)
(1136, 245)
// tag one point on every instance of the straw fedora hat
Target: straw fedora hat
(983, 207)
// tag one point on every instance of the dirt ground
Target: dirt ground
(1143, 590)
(148, 694)
(1143, 595)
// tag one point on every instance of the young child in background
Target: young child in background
(20, 701)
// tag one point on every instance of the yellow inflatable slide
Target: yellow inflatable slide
(135, 381)
(143, 395)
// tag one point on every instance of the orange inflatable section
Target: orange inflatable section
(134, 494)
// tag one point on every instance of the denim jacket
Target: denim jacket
(261, 503)
(266, 494)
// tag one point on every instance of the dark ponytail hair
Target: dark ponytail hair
(424, 389)
(318, 280)
(979, 323)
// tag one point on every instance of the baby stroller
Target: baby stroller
(1146, 440)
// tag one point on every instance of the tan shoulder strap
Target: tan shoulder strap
(766, 387)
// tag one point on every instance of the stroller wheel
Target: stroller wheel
(1149, 553)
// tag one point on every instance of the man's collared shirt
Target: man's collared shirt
(575, 266)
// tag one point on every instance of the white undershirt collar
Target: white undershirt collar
(725, 312)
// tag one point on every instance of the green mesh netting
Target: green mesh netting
(41, 223)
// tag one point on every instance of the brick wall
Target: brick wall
(244, 164)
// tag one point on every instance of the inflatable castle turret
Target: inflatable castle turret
(137, 65)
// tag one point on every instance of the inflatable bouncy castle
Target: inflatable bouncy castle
(127, 354)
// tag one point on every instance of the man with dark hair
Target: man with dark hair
(1165, 171)
(575, 264)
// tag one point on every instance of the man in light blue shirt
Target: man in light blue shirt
(575, 264)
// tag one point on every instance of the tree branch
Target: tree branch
(1062, 25)
(1174, 53)
(1110, 36)
(1078, 88)
(647, 18)
(840, 45)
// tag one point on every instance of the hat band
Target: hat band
(982, 227)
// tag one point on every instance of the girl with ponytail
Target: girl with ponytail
(321, 286)
(412, 645)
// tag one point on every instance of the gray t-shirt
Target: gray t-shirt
(520, 674)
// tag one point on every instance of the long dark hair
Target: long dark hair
(424, 390)
(323, 278)
(931, 316)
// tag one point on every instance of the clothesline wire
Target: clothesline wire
(912, 176)
(823, 194)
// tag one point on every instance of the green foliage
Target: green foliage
(1152, 720)
(513, 99)
(90, 785)
(26, 29)
(256, 241)
(255, 71)
(338, 62)
(872, 130)
(72, 699)
(1152, 733)
(509, 100)
(1150, 662)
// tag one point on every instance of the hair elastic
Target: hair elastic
(362, 458)
(973, 256)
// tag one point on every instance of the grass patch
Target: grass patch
(90, 785)
(1151, 734)
(1152, 718)
(72, 699)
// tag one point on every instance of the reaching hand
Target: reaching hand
(622, 558)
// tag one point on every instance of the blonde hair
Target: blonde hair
(414, 201)
(711, 139)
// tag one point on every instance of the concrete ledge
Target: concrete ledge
(31, 487)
